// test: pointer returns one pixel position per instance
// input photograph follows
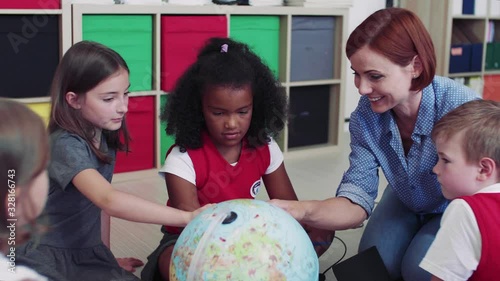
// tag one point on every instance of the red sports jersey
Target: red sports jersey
(486, 206)
(217, 180)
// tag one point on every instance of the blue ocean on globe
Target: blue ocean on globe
(244, 239)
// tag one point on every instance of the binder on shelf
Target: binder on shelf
(141, 125)
(466, 52)
(460, 58)
(468, 7)
(181, 39)
(492, 61)
(489, 61)
(496, 55)
(476, 57)
(29, 54)
(129, 35)
(311, 49)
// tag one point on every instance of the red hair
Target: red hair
(399, 35)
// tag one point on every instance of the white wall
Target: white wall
(360, 10)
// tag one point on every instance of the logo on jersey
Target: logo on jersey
(254, 189)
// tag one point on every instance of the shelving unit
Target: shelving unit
(302, 46)
(35, 34)
(466, 48)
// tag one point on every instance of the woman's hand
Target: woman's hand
(293, 207)
(320, 238)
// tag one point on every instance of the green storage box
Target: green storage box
(132, 37)
(166, 141)
(262, 34)
(496, 55)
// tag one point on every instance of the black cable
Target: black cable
(339, 260)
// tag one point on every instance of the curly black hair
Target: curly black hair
(235, 68)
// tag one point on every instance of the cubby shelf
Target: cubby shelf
(35, 34)
(465, 48)
(312, 70)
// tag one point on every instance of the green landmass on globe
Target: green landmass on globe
(244, 239)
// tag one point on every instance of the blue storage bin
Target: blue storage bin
(476, 58)
(312, 48)
(460, 57)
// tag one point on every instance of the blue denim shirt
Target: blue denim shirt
(376, 142)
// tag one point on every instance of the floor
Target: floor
(314, 176)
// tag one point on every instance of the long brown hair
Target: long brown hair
(399, 35)
(83, 67)
(24, 153)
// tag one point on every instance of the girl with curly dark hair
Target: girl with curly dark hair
(224, 112)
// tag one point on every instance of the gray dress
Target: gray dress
(72, 248)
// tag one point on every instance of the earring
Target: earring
(415, 76)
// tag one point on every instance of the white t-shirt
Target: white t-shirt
(456, 250)
(20, 272)
(180, 164)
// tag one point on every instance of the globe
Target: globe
(244, 239)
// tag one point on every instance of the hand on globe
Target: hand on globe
(245, 240)
(199, 210)
(294, 208)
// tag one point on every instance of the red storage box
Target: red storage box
(141, 126)
(30, 4)
(181, 39)
(491, 89)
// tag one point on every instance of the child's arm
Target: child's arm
(126, 206)
(106, 229)
(181, 193)
(434, 278)
(278, 184)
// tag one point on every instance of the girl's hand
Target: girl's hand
(293, 207)
(199, 210)
(129, 264)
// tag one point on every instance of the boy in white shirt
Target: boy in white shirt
(468, 144)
